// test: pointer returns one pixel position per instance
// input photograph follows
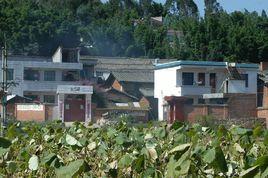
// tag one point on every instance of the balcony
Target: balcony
(46, 86)
(194, 90)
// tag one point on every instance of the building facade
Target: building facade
(194, 82)
(38, 78)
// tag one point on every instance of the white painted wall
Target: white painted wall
(45, 86)
(236, 86)
(57, 56)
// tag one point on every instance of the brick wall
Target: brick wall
(265, 96)
(218, 112)
(30, 115)
(192, 112)
(242, 106)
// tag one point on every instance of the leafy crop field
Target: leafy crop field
(121, 150)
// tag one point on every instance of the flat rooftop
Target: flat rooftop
(204, 64)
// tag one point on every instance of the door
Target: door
(179, 111)
(74, 108)
(212, 82)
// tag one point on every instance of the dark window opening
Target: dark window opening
(245, 77)
(189, 101)
(49, 75)
(49, 99)
(201, 79)
(69, 55)
(70, 76)
(187, 78)
(212, 80)
(32, 75)
(10, 74)
(218, 101)
(201, 101)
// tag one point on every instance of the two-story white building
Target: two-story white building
(194, 81)
(39, 78)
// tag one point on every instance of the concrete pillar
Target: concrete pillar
(88, 109)
(61, 106)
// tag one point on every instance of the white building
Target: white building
(38, 78)
(202, 79)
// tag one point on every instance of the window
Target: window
(218, 101)
(10, 74)
(201, 79)
(49, 99)
(201, 101)
(189, 101)
(212, 80)
(32, 75)
(187, 78)
(70, 76)
(245, 77)
(49, 76)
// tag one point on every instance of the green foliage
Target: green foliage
(123, 28)
(122, 150)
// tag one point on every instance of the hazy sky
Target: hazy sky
(232, 5)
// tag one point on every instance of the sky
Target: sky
(233, 5)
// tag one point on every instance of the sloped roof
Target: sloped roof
(147, 91)
(234, 74)
(110, 64)
(134, 76)
(29, 58)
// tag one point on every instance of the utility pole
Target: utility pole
(4, 88)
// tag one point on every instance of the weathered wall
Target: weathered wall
(242, 106)
(24, 113)
(239, 107)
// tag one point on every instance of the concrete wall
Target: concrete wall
(236, 86)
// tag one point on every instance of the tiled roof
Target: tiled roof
(109, 64)
(134, 76)
(147, 91)
(29, 58)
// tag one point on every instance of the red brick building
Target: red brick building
(225, 107)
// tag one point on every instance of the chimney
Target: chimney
(263, 66)
(156, 61)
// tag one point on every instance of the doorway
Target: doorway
(74, 108)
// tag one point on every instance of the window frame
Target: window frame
(12, 75)
(49, 78)
(198, 79)
(245, 77)
(184, 83)
(31, 71)
(54, 98)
